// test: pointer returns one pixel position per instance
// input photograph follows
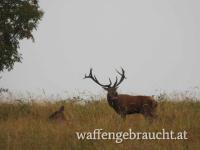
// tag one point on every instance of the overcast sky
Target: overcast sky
(156, 42)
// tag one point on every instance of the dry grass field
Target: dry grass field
(24, 125)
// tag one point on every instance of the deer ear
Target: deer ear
(105, 88)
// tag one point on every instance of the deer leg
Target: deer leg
(147, 111)
(154, 113)
(149, 115)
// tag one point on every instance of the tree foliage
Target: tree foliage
(18, 18)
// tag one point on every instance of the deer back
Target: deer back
(136, 103)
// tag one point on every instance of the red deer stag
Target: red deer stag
(125, 104)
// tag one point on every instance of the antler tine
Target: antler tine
(115, 82)
(122, 77)
(90, 74)
(110, 82)
(94, 78)
(122, 74)
(90, 71)
(85, 76)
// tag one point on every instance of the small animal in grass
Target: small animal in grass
(58, 115)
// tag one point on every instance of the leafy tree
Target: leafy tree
(18, 18)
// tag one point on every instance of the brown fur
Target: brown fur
(58, 115)
(126, 104)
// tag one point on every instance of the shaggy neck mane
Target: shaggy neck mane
(113, 101)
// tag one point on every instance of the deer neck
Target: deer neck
(112, 99)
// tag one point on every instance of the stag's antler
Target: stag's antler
(116, 84)
(93, 77)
